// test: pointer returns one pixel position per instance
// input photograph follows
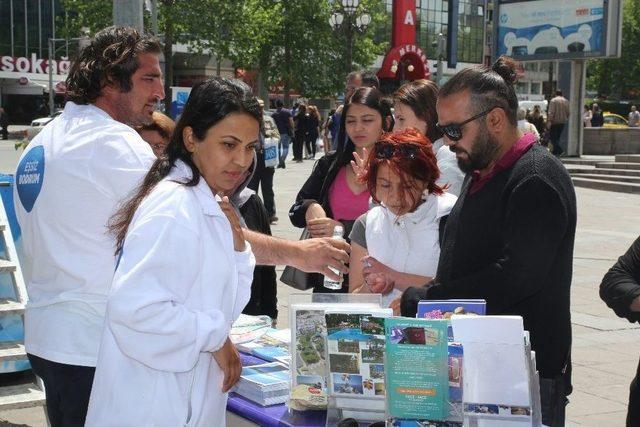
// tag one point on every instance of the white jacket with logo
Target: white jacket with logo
(69, 182)
(178, 287)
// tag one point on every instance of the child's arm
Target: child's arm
(402, 280)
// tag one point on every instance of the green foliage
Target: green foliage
(289, 42)
(92, 14)
(620, 77)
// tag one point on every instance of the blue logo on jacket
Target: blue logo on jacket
(29, 177)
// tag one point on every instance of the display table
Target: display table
(242, 412)
(270, 416)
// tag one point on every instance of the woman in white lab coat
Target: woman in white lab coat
(184, 273)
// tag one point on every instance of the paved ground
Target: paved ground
(605, 348)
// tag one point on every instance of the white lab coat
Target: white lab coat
(178, 287)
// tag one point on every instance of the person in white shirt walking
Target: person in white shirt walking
(184, 273)
(68, 182)
(634, 117)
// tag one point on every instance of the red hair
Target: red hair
(422, 166)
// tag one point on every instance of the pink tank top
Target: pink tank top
(344, 203)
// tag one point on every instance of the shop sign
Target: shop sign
(403, 50)
(33, 65)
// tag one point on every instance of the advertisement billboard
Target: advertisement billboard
(552, 29)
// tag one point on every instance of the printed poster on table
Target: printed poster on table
(416, 369)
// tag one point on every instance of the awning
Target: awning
(406, 62)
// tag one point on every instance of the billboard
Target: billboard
(552, 29)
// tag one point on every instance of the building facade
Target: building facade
(25, 29)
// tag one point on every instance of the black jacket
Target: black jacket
(316, 190)
(511, 243)
(621, 285)
(264, 286)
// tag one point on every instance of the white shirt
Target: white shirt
(68, 183)
(450, 172)
(177, 289)
(409, 243)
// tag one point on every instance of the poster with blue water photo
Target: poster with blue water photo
(355, 346)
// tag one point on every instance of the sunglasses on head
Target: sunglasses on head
(386, 150)
(453, 131)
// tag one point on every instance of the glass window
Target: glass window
(522, 87)
(536, 88)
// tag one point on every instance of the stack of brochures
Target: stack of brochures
(272, 345)
(266, 384)
(247, 328)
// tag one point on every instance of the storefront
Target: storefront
(24, 86)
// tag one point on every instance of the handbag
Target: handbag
(297, 278)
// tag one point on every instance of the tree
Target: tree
(620, 77)
(290, 44)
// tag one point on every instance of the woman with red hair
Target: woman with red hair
(396, 244)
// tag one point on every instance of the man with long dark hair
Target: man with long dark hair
(68, 184)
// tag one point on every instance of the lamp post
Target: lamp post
(441, 47)
(349, 16)
(52, 53)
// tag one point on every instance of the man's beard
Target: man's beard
(481, 154)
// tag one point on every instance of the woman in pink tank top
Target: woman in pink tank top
(333, 195)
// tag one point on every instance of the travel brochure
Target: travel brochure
(416, 369)
(273, 345)
(266, 384)
(444, 309)
(309, 364)
(355, 346)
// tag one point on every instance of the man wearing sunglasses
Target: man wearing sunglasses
(509, 238)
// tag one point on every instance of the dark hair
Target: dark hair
(369, 79)
(279, 103)
(421, 96)
(160, 123)
(489, 87)
(369, 97)
(423, 166)
(558, 92)
(210, 102)
(110, 57)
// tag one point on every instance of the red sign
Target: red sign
(404, 22)
(405, 60)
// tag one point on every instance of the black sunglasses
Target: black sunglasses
(453, 131)
(386, 150)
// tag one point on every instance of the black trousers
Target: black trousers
(555, 131)
(310, 142)
(553, 399)
(67, 388)
(264, 175)
(633, 411)
(298, 140)
(4, 132)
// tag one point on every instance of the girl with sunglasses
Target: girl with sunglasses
(333, 195)
(396, 244)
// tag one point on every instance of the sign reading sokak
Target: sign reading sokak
(34, 65)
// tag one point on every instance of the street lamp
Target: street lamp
(351, 18)
(52, 53)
